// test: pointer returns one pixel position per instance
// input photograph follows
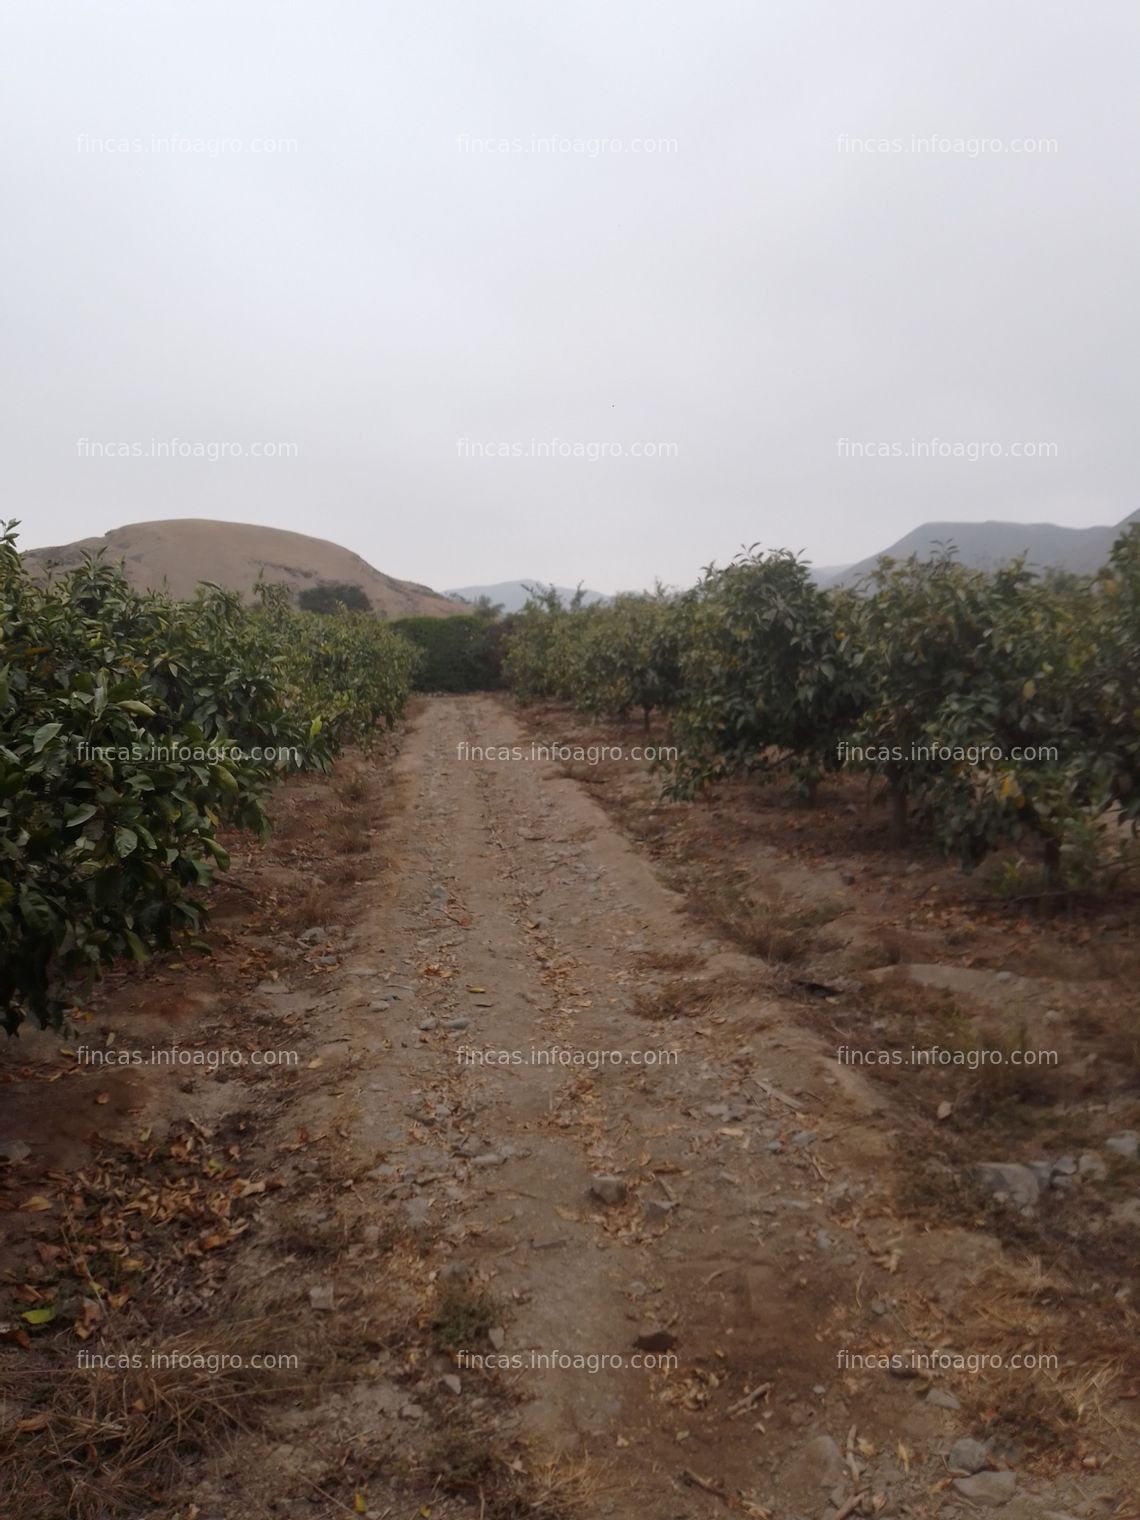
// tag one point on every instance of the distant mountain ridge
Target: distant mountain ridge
(986, 545)
(512, 595)
(177, 554)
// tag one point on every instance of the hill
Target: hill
(985, 545)
(177, 554)
(513, 594)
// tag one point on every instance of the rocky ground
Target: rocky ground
(557, 1111)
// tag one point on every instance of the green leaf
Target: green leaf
(43, 736)
(125, 841)
(42, 1316)
(139, 951)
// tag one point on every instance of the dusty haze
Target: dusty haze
(365, 249)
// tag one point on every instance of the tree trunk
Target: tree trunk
(1052, 864)
(898, 814)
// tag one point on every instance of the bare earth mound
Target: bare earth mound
(176, 555)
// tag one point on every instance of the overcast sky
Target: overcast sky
(386, 244)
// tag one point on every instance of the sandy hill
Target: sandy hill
(175, 555)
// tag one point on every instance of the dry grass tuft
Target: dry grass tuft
(464, 1313)
(775, 928)
(466, 1462)
(318, 905)
(105, 1440)
(348, 837)
(678, 999)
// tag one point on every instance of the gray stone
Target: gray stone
(1017, 1183)
(322, 1298)
(1127, 1212)
(379, 1006)
(608, 1189)
(454, 1024)
(411, 1412)
(1043, 1172)
(1126, 1144)
(1065, 1166)
(826, 1458)
(14, 1150)
(847, 878)
(456, 1271)
(1091, 1167)
(472, 1145)
(819, 1462)
(310, 936)
(452, 1383)
(657, 1209)
(967, 1455)
(488, 1158)
(942, 1398)
(497, 1336)
(992, 1488)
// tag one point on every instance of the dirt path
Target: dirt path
(752, 1233)
(539, 1116)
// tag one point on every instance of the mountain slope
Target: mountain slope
(177, 554)
(513, 594)
(985, 545)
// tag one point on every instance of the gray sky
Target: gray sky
(358, 253)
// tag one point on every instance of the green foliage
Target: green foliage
(332, 595)
(1001, 707)
(766, 682)
(534, 659)
(133, 727)
(462, 653)
(997, 708)
(609, 659)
